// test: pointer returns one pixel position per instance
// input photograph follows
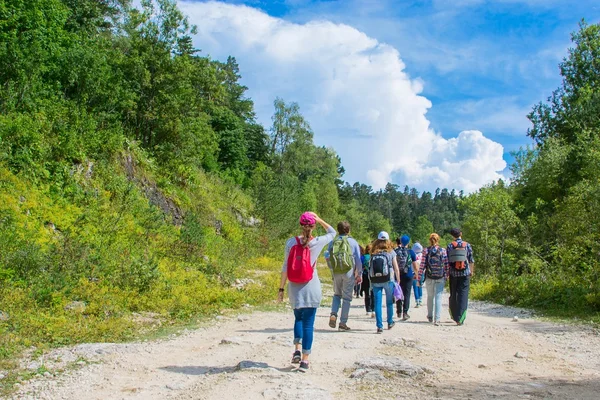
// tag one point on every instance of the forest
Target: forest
(134, 177)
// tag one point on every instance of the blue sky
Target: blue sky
(481, 64)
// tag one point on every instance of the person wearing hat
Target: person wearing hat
(305, 297)
(407, 264)
(462, 267)
(383, 271)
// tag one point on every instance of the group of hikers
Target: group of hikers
(381, 267)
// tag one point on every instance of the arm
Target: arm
(358, 267)
(396, 269)
(283, 273)
(446, 264)
(422, 266)
(470, 259)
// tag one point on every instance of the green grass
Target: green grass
(558, 300)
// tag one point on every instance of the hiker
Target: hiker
(346, 268)
(383, 270)
(462, 267)
(304, 288)
(365, 287)
(407, 265)
(417, 282)
(434, 269)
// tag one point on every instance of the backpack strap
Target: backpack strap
(298, 242)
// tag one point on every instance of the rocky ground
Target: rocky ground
(494, 355)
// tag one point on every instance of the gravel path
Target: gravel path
(247, 357)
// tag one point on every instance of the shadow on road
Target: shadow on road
(206, 370)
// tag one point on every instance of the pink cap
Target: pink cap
(307, 219)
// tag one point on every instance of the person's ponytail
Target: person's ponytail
(306, 235)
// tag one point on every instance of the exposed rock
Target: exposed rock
(218, 226)
(4, 316)
(146, 319)
(76, 306)
(254, 366)
(482, 366)
(34, 365)
(515, 319)
(2, 375)
(243, 318)
(174, 386)
(400, 342)
(368, 375)
(153, 193)
(232, 340)
(391, 364)
(241, 283)
(521, 354)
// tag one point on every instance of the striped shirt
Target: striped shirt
(464, 272)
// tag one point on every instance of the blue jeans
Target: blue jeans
(435, 288)
(389, 301)
(417, 290)
(304, 326)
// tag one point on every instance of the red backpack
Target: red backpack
(299, 269)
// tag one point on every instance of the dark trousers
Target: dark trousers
(402, 306)
(459, 297)
(365, 288)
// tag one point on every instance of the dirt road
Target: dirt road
(247, 357)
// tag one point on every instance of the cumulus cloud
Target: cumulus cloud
(355, 93)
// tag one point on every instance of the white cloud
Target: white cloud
(354, 92)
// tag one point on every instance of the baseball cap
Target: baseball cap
(405, 239)
(307, 219)
(383, 235)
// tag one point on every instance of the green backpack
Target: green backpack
(340, 256)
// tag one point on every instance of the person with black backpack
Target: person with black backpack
(434, 267)
(343, 259)
(462, 267)
(407, 264)
(383, 270)
(366, 288)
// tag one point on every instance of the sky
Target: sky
(428, 93)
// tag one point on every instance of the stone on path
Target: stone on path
(232, 340)
(368, 375)
(521, 354)
(391, 364)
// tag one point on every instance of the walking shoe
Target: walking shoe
(303, 366)
(332, 321)
(343, 327)
(399, 315)
(296, 357)
(417, 305)
(406, 316)
(430, 319)
(436, 323)
(372, 315)
(390, 326)
(379, 330)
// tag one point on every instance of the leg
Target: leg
(438, 288)
(430, 296)
(378, 311)
(337, 294)
(415, 291)
(389, 296)
(452, 300)
(308, 327)
(348, 286)
(298, 328)
(365, 287)
(337, 299)
(462, 298)
(406, 289)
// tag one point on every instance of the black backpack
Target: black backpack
(379, 271)
(403, 258)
